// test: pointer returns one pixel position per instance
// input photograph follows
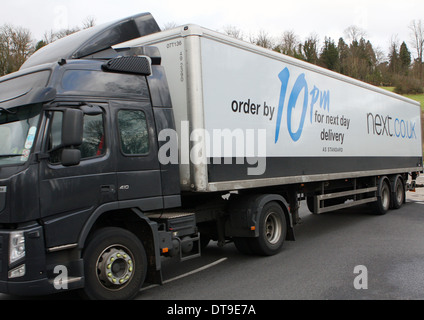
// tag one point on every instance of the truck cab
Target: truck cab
(79, 149)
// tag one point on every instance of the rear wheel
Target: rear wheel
(399, 193)
(272, 231)
(382, 205)
(115, 265)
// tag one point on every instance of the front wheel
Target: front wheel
(115, 265)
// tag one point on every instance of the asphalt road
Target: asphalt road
(320, 264)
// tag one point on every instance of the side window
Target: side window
(93, 139)
(133, 132)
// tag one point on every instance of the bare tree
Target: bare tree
(417, 30)
(354, 33)
(234, 32)
(52, 36)
(289, 43)
(15, 47)
(4, 51)
(263, 39)
(89, 22)
(169, 25)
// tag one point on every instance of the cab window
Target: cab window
(133, 132)
(93, 139)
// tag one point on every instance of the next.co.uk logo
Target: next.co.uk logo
(310, 100)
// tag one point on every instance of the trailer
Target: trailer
(130, 145)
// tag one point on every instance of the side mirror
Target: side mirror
(72, 128)
(71, 157)
(72, 136)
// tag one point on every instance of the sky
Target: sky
(382, 20)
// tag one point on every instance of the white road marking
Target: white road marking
(187, 274)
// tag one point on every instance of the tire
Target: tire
(310, 204)
(398, 197)
(243, 245)
(382, 205)
(115, 265)
(204, 241)
(272, 231)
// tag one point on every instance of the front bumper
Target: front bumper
(27, 288)
(39, 277)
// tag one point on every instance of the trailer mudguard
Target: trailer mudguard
(245, 214)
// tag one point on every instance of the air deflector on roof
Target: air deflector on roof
(95, 39)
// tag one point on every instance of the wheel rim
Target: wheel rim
(115, 267)
(273, 228)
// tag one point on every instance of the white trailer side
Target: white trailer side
(239, 107)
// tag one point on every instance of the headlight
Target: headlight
(16, 247)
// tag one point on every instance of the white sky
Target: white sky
(381, 19)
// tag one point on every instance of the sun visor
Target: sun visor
(36, 95)
(90, 41)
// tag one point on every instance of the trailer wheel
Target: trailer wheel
(243, 245)
(272, 230)
(399, 192)
(115, 265)
(382, 205)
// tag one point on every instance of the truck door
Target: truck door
(137, 166)
(70, 194)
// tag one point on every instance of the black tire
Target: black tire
(204, 241)
(115, 265)
(398, 197)
(382, 205)
(272, 231)
(243, 245)
(310, 204)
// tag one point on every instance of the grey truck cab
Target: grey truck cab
(78, 145)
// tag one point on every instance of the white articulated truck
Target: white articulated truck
(157, 142)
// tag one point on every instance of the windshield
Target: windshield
(18, 128)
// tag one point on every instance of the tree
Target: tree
(354, 33)
(310, 49)
(329, 57)
(343, 50)
(417, 30)
(263, 39)
(89, 22)
(15, 48)
(234, 32)
(52, 36)
(169, 25)
(289, 44)
(394, 60)
(404, 58)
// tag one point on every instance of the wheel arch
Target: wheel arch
(245, 213)
(133, 220)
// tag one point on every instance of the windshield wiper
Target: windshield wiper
(10, 155)
(8, 111)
